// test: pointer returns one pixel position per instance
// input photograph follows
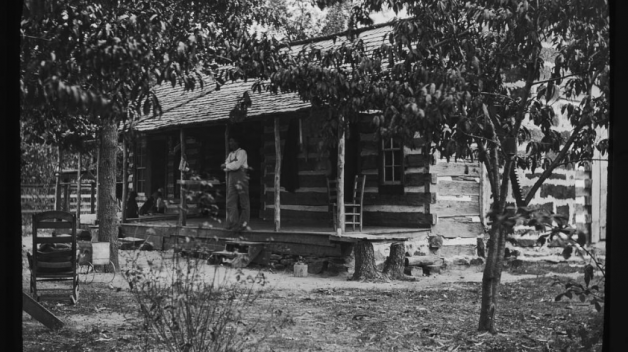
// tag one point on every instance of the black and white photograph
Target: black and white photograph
(316, 175)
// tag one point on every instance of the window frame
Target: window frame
(141, 168)
(391, 186)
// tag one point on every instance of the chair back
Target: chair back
(56, 258)
(358, 189)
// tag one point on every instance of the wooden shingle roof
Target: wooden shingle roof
(181, 108)
(210, 105)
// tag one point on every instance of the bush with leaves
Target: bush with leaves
(555, 227)
(591, 291)
(187, 308)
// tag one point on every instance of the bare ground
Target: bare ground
(329, 313)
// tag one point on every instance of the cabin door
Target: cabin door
(251, 140)
(158, 153)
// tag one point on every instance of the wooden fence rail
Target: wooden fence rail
(41, 197)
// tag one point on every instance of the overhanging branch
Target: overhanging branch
(557, 161)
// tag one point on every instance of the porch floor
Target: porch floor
(266, 227)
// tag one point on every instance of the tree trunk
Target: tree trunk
(365, 269)
(125, 177)
(277, 184)
(107, 207)
(340, 183)
(395, 263)
(78, 193)
(58, 180)
(491, 278)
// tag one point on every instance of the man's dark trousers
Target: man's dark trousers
(238, 194)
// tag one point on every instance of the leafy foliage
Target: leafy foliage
(100, 58)
(556, 228)
(187, 311)
(462, 75)
(441, 73)
(91, 66)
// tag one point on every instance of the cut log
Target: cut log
(394, 265)
(423, 260)
(365, 269)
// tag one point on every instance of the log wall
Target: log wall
(309, 202)
(458, 206)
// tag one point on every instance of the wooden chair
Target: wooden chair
(353, 210)
(54, 260)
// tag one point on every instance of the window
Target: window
(391, 168)
(141, 167)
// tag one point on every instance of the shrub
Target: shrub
(188, 309)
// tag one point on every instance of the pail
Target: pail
(300, 270)
(100, 253)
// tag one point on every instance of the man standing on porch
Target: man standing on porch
(237, 187)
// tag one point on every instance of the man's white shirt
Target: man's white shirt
(236, 160)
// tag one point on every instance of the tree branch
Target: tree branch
(559, 78)
(557, 161)
(487, 162)
(497, 95)
(504, 186)
(30, 36)
(495, 171)
(561, 155)
(479, 137)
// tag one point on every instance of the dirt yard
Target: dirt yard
(329, 313)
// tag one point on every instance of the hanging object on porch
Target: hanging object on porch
(183, 164)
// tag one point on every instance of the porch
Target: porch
(296, 238)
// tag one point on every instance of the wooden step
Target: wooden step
(238, 254)
(225, 254)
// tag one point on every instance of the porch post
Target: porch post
(226, 141)
(183, 207)
(78, 193)
(66, 196)
(125, 176)
(58, 179)
(92, 198)
(340, 184)
(277, 184)
(227, 131)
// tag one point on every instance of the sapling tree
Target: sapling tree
(462, 74)
(96, 63)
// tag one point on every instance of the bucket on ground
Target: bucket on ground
(300, 270)
(100, 253)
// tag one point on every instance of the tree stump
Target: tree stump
(395, 263)
(365, 269)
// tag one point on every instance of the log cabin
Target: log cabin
(405, 194)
